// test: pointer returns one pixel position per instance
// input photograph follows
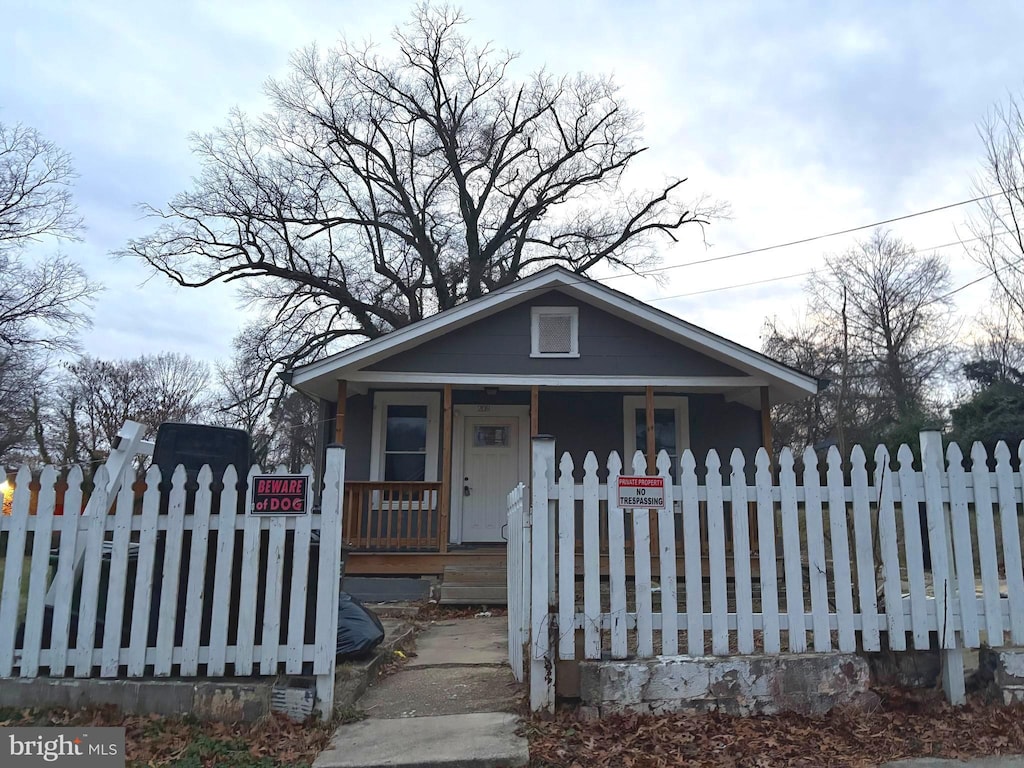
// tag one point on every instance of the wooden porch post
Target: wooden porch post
(339, 413)
(766, 421)
(444, 500)
(651, 458)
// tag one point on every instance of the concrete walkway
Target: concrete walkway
(452, 704)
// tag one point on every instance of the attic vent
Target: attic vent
(555, 332)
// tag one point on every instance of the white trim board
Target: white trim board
(554, 380)
(381, 401)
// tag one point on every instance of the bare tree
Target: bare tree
(282, 424)
(42, 302)
(21, 373)
(150, 389)
(998, 225)
(996, 353)
(895, 307)
(879, 329)
(381, 190)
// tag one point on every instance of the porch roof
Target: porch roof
(783, 382)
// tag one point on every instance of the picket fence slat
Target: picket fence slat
(944, 585)
(14, 555)
(914, 553)
(642, 568)
(692, 565)
(987, 559)
(117, 579)
(766, 554)
(299, 583)
(195, 587)
(566, 558)
(889, 545)
(741, 554)
(142, 599)
(167, 621)
(866, 589)
(39, 569)
(842, 580)
(92, 565)
(667, 561)
(272, 595)
(716, 556)
(591, 559)
(1011, 542)
(817, 567)
(246, 631)
(63, 580)
(616, 563)
(791, 554)
(963, 550)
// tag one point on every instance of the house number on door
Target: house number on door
(483, 409)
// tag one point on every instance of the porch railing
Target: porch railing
(392, 516)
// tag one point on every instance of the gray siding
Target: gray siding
(358, 427)
(592, 421)
(608, 345)
(580, 422)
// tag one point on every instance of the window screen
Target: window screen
(554, 334)
(405, 443)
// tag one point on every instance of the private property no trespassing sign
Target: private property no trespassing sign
(638, 492)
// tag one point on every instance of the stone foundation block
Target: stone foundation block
(1001, 674)
(740, 685)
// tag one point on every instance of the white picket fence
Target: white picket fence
(117, 608)
(518, 578)
(849, 555)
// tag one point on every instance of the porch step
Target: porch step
(473, 585)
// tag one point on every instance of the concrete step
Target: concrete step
(473, 594)
(473, 585)
(478, 740)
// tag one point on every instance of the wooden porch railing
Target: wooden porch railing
(392, 517)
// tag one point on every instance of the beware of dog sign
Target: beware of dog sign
(279, 495)
(638, 492)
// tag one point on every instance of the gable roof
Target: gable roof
(786, 383)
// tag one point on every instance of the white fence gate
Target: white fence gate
(841, 562)
(188, 586)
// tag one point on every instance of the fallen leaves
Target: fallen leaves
(908, 724)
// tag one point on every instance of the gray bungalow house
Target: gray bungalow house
(437, 417)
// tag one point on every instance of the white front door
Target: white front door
(491, 466)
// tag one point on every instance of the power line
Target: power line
(810, 239)
(811, 272)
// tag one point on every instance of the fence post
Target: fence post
(542, 666)
(943, 567)
(329, 579)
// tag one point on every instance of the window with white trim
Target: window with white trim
(554, 332)
(671, 426)
(405, 436)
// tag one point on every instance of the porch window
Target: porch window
(405, 443)
(671, 427)
(405, 436)
(554, 332)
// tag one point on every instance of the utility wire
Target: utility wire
(811, 272)
(810, 239)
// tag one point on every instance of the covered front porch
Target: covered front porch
(430, 465)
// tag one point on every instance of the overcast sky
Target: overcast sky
(806, 117)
